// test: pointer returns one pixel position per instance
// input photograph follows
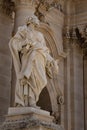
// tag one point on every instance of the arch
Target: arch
(50, 39)
(52, 86)
(44, 100)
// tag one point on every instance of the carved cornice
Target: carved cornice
(82, 38)
(47, 5)
(43, 6)
(78, 36)
(69, 33)
(7, 7)
(28, 123)
(23, 2)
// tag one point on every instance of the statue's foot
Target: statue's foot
(18, 105)
(34, 106)
(32, 103)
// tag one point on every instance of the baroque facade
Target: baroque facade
(64, 26)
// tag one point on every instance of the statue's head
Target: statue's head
(32, 20)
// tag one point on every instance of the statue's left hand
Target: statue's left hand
(54, 64)
(25, 49)
(23, 81)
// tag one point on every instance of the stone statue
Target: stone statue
(31, 61)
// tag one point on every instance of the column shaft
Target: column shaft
(23, 9)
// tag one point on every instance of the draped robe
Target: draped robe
(31, 65)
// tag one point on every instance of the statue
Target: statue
(31, 60)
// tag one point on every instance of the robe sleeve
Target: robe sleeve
(51, 63)
(47, 51)
(15, 46)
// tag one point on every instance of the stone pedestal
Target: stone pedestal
(27, 118)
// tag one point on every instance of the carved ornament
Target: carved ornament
(43, 6)
(7, 7)
(27, 123)
(78, 34)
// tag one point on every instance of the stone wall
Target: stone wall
(74, 70)
(85, 90)
(5, 62)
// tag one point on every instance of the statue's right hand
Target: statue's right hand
(24, 50)
(23, 82)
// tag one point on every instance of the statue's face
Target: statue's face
(32, 20)
(36, 24)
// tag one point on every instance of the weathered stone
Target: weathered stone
(29, 118)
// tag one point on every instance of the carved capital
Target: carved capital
(70, 34)
(23, 2)
(66, 32)
(6, 7)
(78, 36)
(82, 38)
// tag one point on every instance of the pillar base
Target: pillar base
(28, 118)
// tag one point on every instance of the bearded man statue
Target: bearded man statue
(31, 60)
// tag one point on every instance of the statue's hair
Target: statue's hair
(32, 19)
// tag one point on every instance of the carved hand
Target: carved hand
(54, 65)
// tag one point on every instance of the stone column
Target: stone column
(5, 57)
(74, 103)
(67, 68)
(85, 90)
(23, 9)
(67, 98)
(76, 85)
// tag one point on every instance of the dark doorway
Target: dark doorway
(44, 100)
